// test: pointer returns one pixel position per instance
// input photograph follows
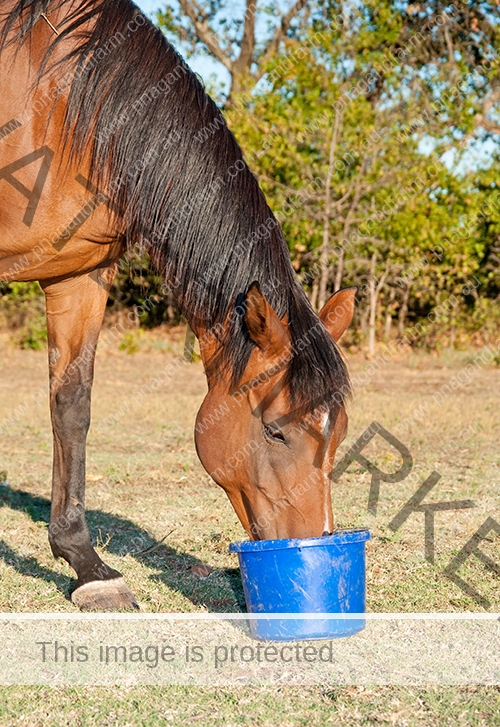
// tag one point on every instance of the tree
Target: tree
(360, 200)
(359, 106)
(209, 27)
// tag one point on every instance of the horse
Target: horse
(109, 140)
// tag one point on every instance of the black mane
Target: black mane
(161, 149)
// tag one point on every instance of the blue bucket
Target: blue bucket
(305, 576)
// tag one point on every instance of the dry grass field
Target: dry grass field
(147, 490)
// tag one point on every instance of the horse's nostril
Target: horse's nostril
(325, 533)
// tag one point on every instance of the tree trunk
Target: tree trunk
(372, 298)
(453, 329)
(403, 311)
(388, 315)
(340, 271)
(189, 345)
(374, 289)
(347, 223)
(314, 293)
(325, 245)
(363, 322)
(388, 326)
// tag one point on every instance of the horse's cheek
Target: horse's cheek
(211, 444)
(207, 452)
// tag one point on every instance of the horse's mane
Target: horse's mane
(161, 148)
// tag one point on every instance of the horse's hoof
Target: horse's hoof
(112, 595)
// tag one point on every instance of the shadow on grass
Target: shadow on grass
(221, 591)
(29, 566)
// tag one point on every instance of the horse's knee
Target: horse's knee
(71, 409)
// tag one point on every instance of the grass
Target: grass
(245, 706)
(145, 483)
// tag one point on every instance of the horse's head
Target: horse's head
(272, 458)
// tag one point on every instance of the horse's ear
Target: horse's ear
(263, 325)
(336, 315)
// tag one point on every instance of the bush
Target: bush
(137, 286)
(22, 310)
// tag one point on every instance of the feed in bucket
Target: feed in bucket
(322, 576)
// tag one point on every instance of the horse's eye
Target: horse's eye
(274, 434)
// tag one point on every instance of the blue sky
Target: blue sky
(479, 155)
(148, 6)
(204, 66)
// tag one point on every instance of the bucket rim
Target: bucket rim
(338, 537)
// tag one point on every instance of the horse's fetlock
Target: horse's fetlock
(65, 528)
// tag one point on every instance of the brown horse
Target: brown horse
(107, 140)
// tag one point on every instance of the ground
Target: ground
(148, 492)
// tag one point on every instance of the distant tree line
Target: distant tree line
(373, 129)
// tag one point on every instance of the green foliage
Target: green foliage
(139, 288)
(131, 341)
(22, 308)
(363, 122)
(365, 112)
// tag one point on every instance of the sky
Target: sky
(148, 6)
(204, 66)
(479, 156)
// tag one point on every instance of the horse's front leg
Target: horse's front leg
(75, 309)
